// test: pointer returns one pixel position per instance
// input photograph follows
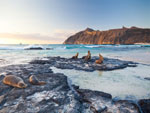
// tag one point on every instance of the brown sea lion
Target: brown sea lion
(14, 81)
(88, 57)
(76, 56)
(100, 60)
(33, 80)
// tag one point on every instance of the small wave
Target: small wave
(33, 47)
(93, 46)
(25, 47)
(145, 45)
(118, 47)
(73, 47)
(70, 47)
(60, 48)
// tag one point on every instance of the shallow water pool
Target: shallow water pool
(128, 83)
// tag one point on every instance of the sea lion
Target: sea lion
(76, 56)
(100, 60)
(14, 81)
(88, 57)
(33, 80)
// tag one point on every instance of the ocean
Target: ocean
(128, 83)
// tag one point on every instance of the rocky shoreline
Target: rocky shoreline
(58, 95)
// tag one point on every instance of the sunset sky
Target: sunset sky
(52, 21)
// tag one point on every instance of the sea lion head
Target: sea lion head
(22, 85)
(34, 80)
(99, 55)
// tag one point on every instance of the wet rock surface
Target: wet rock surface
(81, 64)
(145, 105)
(147, 78)
(56, 96)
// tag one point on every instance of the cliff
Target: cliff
(114, 36)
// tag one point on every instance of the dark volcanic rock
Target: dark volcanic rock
(145, 105)
(147, 78)
(114, 36)
(56, 96)
(81, 64)
(88, 93)
(38, 48)
(100, 102)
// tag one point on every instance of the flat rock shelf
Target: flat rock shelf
(81, 64)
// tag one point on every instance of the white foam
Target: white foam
(33, 46)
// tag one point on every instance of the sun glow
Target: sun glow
(8, 41)
(56, 37)
(18, 41)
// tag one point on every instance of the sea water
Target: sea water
(128, 83)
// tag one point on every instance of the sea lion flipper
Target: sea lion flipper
(42, 83)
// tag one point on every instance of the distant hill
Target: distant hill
(114, 36)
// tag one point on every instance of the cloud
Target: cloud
(57, 37)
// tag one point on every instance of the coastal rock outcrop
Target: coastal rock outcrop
(56, 96)
(81, 64)
(114, 36)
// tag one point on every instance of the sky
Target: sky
(53, 21)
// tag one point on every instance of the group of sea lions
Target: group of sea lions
(18, 82)
(88, 57)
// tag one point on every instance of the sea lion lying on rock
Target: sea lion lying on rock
(88, 57)
(14, 81)
(100, 60)
(76, 56)
(33, 80)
